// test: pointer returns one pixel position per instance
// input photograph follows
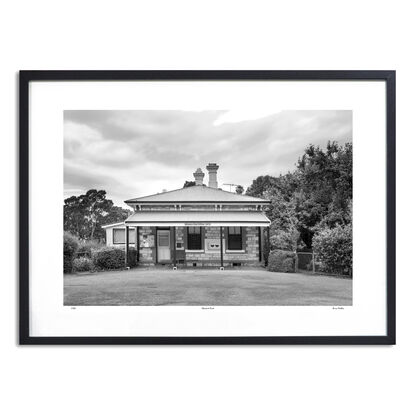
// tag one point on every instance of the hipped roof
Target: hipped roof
(197, 194)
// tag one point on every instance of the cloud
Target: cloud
(134, 153)
(244, 114)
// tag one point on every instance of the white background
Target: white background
(49, 317)
(207, 35)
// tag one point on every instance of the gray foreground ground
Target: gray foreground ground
(148, 287)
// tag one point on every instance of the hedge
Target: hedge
(70, 247)
(108, 258)
(281, 261)
(334, 249)
(113, 258)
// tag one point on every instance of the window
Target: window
(235, 238)
(194, 238)
(118, 236)
(164, 239)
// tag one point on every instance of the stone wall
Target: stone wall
(212, 258)
(147, 255)
(249, 257)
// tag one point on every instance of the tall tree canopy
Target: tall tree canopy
(84, 215)
(260, 185)
(316, 195)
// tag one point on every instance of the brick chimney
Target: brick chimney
(199, 175)
(212, 168)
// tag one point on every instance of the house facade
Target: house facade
(196, 226)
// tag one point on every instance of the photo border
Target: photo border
(27, 76)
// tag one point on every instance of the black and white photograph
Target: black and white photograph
(208, 208)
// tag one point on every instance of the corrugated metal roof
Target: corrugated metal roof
(203, 218)
(112, 225)
(196, 194)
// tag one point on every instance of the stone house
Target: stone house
(194, 226)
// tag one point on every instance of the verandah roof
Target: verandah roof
(197, 218)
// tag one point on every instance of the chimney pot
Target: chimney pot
(212, 168)
(199, 175)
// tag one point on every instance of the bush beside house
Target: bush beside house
(88, 256)
(70, 247)
(113, 258)
(334, 249)
(109, 258)
(86, 248)
(82, 264)
(281, 261)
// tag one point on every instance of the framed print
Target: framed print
(207, 207)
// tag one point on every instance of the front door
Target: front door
(163, 245)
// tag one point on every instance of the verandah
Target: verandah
(227, 236)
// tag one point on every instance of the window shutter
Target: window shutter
(202, 235)
(154, 248)
(226, 232)
(185, 238)
(172, 241)
(243, 231)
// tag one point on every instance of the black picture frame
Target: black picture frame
(28, 76)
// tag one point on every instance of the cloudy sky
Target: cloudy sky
(137, 153)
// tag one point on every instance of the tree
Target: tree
(85, 214)
(328, 175)
(116, 214)
(284, 230)
(189, 184)
(95, 205)
(239, 189)
(316, 195)
(327, 188)
(74, 217)
(260, 185)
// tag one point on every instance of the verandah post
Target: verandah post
(174, 246)
(137, 242)
(221, 247)
(268, 245)
(127, 244)
(259, 244)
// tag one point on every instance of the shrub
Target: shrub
(286, 240)
(109, 258)
(113, 258)
(82, 264)
(86, 248)
(70, 247)
(334, 248)
(132, 257)
(266, 251)
(281, 261)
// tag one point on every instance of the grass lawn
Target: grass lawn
(149, 287)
